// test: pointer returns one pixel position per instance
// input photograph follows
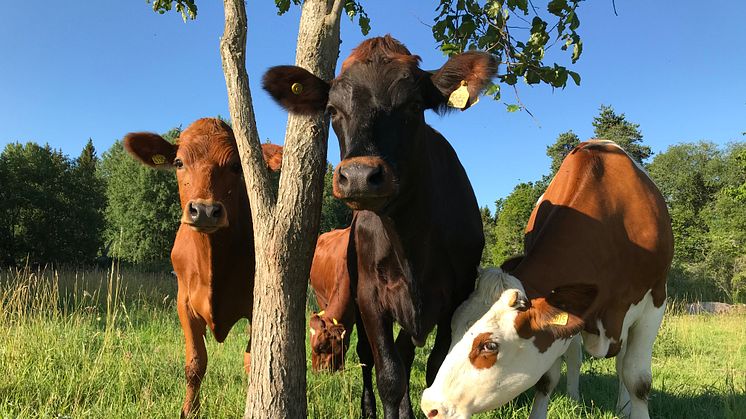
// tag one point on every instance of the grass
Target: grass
(92, 344)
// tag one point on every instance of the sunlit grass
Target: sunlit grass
(107, 343)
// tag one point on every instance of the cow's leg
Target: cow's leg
(406, 350)
(543, 390)
(574, 358)
(390, 373)
(196, 356)
(622, 400)
(368, 399)
(637, 373)
(440, 350)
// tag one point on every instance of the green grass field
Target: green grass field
(94, 345)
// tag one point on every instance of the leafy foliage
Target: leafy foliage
(143, 212)
(507, 226)
(334, 213)
(703, 187)
(609, 125)
(506, 29)
(50, 206)
(560, 149)
(187, 8)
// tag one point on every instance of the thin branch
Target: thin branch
(613, 4)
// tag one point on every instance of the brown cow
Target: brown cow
(213, 254)
(598, 248)
(330, 328)
(417, 237)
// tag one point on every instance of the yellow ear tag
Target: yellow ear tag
(460, 97)
(560, 319)
(334, 321)
(296, 88)
(320, 313)
(158, 159)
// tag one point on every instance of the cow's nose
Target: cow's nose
(202, 213)
(359, 178)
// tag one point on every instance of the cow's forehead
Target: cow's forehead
(383, 84)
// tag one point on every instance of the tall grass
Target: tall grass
(107, 343)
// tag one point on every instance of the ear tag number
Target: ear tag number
(296, 88)
(560, 319)
(460, 97)
(158, 159)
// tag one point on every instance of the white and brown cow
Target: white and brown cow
(598, 249)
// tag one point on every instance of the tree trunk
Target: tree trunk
(286, 224)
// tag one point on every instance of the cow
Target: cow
(598, 248)
(213, 253)
(331, 327)
(416, 236)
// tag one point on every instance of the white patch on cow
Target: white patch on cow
(541, 198)
(597, 345)
(519, 363)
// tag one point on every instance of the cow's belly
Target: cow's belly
(607, 344)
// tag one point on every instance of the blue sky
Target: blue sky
(102, 69)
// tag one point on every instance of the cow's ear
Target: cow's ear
(273, 156)
(460, 80)
(151, 149)
(296, 89)
(560, 313)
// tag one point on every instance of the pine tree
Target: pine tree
(609, 125)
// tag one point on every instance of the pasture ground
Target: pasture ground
(90, 344)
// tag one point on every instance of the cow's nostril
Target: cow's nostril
(216, 211)
(342, 178)
(433, 413)
(193, 211)
(375, 177)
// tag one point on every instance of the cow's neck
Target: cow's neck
(411, 213)
(220, 249)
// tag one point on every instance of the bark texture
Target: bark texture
(285, 223)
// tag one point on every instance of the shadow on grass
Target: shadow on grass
(599, 392)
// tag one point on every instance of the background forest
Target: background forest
(61, 211)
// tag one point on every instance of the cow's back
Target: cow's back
(602, 221)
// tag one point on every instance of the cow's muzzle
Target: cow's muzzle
(364, 183)
(205, 215)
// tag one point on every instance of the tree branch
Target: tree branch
(233, 55)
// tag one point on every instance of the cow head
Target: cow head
(208, 170)
(377, 106)
(506, 350)
(327, 343)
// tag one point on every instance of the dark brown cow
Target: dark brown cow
(213, 255)
(417, 237)
(331, 328)
(598, 248)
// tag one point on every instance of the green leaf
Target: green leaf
(575, 77)
(512, 108)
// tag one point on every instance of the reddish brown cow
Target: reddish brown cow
(213, 255)
(330, 328)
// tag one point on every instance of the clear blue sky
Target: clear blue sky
(83, 69)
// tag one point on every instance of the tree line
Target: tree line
(703, 184)
(56, 210)
(75, 211)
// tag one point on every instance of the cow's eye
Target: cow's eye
(178, 163)
(490, 346)
(331, 110)
(236, 168)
